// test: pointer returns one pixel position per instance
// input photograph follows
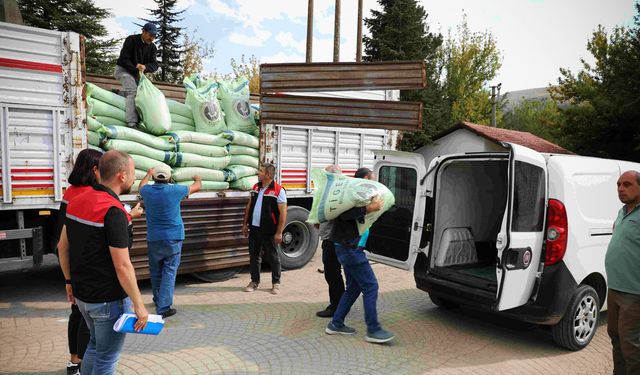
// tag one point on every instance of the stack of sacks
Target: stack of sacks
(181, 116)
(203, 101)
(243, 165)
(199, 154)
(234, 97)
(104, 108)
(152, 108)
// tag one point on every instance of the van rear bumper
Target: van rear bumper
(556, 289)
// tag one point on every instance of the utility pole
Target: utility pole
(494, 102)
(309, 32)
(359, 37)
(336, 34)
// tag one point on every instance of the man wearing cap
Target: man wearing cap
(165, 232)
(138, 55)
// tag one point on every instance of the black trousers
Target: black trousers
(332, 274)
(257, 243)
(77, 332)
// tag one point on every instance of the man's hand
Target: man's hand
(150, 172)
(277, 238)
(141, 68)
(70, 297)
(143, 317)
(375, 205)
(197, 178)
(136, 211)
(245, 230)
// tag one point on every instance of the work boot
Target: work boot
(275, 289)
(326, 313)
(252, 287)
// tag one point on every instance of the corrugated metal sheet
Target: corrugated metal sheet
(213, 239)
(307, 77)
(316, 111)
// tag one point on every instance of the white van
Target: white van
(517, 232)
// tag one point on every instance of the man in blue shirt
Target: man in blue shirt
(165, 232)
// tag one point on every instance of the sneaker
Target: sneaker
(275, 289)
(379, 337)
(73, 368)
(252, 287)
(344, 330)
(326, 313)
(168, 313)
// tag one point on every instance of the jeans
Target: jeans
(257, 243)
(623, 327)
(77, 332)
(130, 89)
(332, 274)
(105, 344)
(360, 278)
(164, 260)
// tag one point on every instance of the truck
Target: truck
(43, 128)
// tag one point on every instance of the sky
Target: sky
(535, 37)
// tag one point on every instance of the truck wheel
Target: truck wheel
(578, 325)
(443, 303)
(299, 239)
(215, 276)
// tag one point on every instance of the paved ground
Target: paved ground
(219, 329)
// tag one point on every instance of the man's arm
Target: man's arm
(125, 55)
(145, 179)
(282, 207)
(127, 278)
(196, 186)
(152, 65)
(63, 254)
(359, 212)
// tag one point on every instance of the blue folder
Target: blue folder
(125, 324)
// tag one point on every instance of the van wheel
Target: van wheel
(579, 323)
(443, 303)
(299, 239)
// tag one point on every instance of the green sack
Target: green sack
(94, 138)
(93, 124)
(99, 108)
(105, 120)
(207, 113)
(130, 134)
(193, 160)
(106, 96)
(187, 174)
(244, 184)
(136, 148)
(176, 118)
(179, 126)
(243, 150)
(144, 163)
(195, 137)
(140, 174)
(209, 185)
(152, 107)
(234, 97)
(242, 139)
(179, 109)
(204, 150)
(92, 147)
(336, 193)
(250, 161)
(236, 172)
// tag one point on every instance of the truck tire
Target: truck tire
(299, 239)
(579, 323)
(214, 276)
(443, 303)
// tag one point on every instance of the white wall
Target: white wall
(459, 141)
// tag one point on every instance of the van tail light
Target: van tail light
(557, 232)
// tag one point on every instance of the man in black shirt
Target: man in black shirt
(94, 257)
(138, 55)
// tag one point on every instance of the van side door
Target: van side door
(394, 238)
(521, 236)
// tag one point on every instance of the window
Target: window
(529, 196)
(402, 183)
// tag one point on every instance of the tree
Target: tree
(601, 103)
(196, 50)
(248, 68)
(399, 32)
(168, 40)
(540, 117)
(82, 17)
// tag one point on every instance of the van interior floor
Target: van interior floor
(482, 276)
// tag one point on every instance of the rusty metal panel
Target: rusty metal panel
(356, 113)
(305, 77)
(213, 239)
(170, 90)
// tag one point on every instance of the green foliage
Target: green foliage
(601, 103)
(168, 40)
(82, 17)
(196, 50)
(539, 117)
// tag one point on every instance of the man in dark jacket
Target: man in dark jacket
(138, 55)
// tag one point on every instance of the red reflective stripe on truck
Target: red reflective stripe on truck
(30, 178)
(30, 65)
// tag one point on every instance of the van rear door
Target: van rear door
(394, 238)
(521, 236)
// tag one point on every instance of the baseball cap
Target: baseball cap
(151, 28)
(161, 172)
